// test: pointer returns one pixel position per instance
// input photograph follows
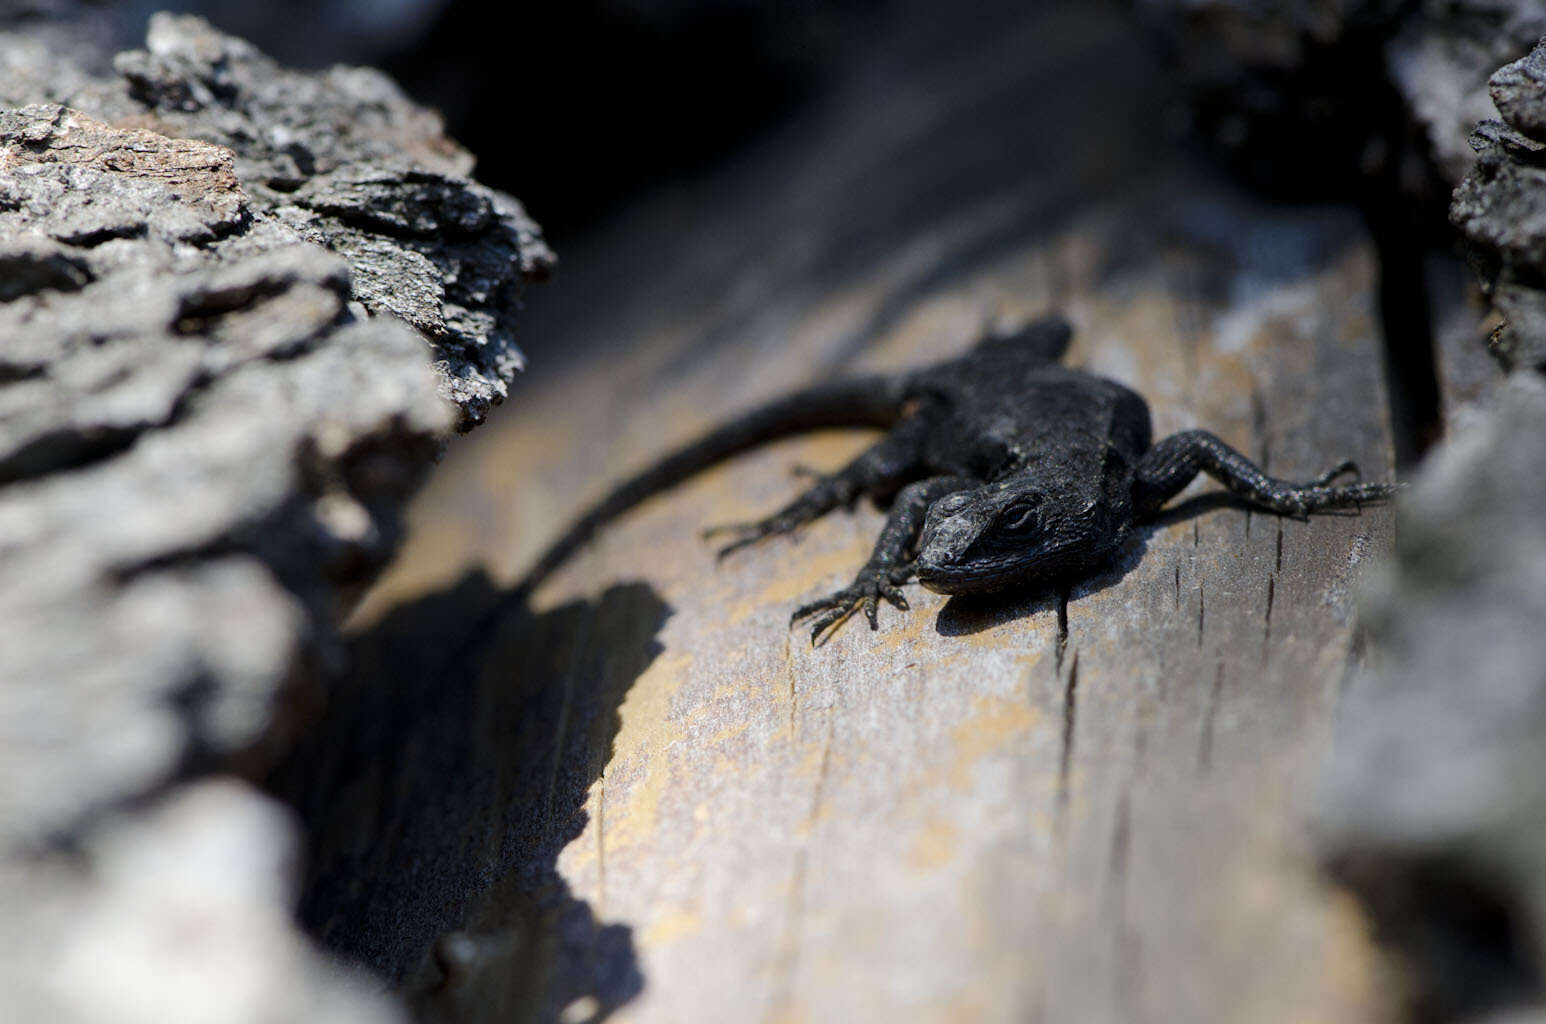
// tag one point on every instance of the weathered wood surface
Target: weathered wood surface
(1025, 810)
(970, 814)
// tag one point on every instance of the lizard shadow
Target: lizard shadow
(967, 614)
(437, 791)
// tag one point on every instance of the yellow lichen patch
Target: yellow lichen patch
(994, 722)
(730, 732)
(670, 926)
(933, 846)
(640, 752)
(906, 629)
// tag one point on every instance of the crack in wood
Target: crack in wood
(789, 944)
(1127, 959)
(788, 957)
(819, 793)
(1070, 719)
(1205, 741)
(1201, 612)
(1062, 638)
(1121, 849)
(789, 673)
(1266, 640)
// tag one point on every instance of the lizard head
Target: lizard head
(1013, 531)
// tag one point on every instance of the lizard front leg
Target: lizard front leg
(1171, 464)
(888, 565)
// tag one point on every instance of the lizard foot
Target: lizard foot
(865, 592)
(746, 534)
(830, 492)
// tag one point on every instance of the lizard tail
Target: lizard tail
(861, 402)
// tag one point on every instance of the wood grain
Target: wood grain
(1087, 809)
(653, 801)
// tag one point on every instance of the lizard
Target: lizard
(1003, 468)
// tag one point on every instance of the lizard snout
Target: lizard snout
(948, 533)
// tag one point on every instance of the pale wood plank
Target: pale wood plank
(953, 819)
(657, 797)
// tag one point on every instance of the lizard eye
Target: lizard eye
(1021, 517)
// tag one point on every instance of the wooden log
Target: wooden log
(651, 798)
(1084, 810)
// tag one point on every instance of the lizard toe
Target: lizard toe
(1347, 467)
(805, 611)
(824, 627)
(734, 546)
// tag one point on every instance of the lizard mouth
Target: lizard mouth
(946, 563)
(964, 579)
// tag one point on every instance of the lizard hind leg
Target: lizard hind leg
(828, 493)
(885, 464)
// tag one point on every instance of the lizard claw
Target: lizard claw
(747, 534)
(835, 609)
(1344, 468)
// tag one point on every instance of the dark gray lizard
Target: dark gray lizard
(1003, 469)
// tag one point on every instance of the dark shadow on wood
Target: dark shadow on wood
(439, 788)
(973, 613)
(1193, 507)
(1469, 946)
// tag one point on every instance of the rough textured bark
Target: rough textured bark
(241, 312)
